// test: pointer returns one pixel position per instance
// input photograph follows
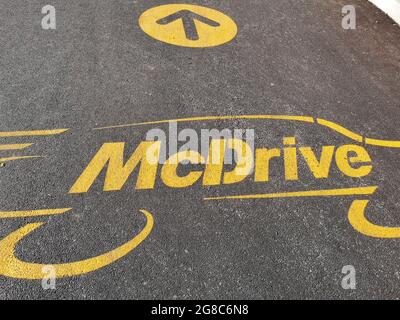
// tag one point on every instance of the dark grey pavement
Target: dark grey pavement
(290, 57)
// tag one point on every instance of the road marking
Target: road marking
(5, 147)
(361, 224)
(329, 124)
(146, 160)
(118, 173)
(299, 194)
(11, 266)
(342, 130)
(188, 25)
(382, 143)
(32, 213)
(214, 118)
(31, 133)
(189, 22)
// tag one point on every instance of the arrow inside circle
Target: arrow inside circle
(188, 17)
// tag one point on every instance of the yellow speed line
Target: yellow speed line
(382, 143)
(329, 124)
(32, 213)
(31, 133)
(300, 194)
(215, 118)
(4, 147)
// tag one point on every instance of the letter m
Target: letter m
(146, 154)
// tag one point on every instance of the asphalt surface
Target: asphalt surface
(98, 68)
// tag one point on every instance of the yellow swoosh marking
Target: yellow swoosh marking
(32, 133)
(299, 194)
(4, 147)
(342, 130)
(361, 224)
(32, 213)
(11, 266)
(329, 124)
(213, 118)
(382, 143)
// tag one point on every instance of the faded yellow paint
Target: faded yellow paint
(361, 224)
(11, 266)
(174, 33)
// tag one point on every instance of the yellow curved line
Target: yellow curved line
(11, 266)
(340, 129)
(361, 224)
(4, 147)
(329, 124)
(32, 213)
(213, 118)
(32, 133)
